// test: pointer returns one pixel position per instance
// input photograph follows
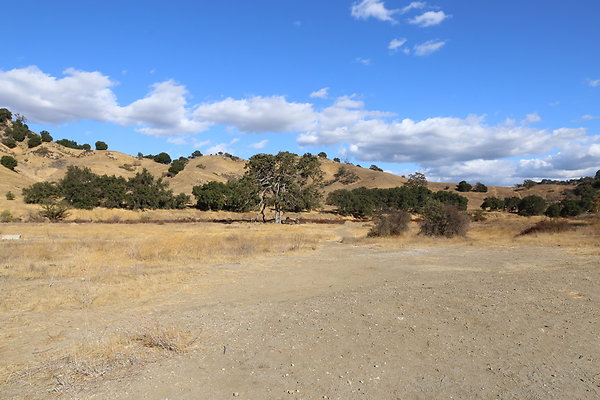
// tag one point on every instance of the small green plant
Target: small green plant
(201, 166)
(10, 195)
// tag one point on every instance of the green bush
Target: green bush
(532, 205)
(46, 137)
(553, 210)
(101, 145)
(8, 162)
(464, 186)
(439, 219)
(391, 224)
(9, 142)
(40, 192)
(34, 141)
(480, 187)
(375, 168)
(10, 195)
(5, 115)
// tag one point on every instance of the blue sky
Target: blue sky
(487, 91)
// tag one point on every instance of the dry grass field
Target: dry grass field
(114, 310)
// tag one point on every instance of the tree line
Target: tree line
(81, 188)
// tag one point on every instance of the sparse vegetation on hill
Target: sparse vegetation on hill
(345, 176)
(72, 144)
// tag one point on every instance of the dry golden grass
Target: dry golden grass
(102, 357)
(499, 229)
(85, 265)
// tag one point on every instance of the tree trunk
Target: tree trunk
(278, 217)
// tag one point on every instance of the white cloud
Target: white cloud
(364, 61)
(429, 47)
(321, 93)
(372, 9)
(258, 114)
(413, 6)
(260, 145)
(594, 82)
(429, 18)
(222, 147)
(396, 43)
(588, 117)
(88, 95)
(162, 112)
(533, 117)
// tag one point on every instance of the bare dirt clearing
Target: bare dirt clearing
(458, 319)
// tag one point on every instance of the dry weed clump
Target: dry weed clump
(392, 224)
(104, 358)
(443, 220)
(548, 226)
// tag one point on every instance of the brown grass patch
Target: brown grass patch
(548, 226)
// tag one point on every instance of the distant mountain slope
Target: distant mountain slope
(49, 162)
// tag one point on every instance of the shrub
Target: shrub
(201, 166)
(464, 186)
(492, 204)
(571, 208)
(9, 142)
(8, 162)
(553, 210)
(322, 154)
(480, 187)
(443, 220)
(345, 176)
(34, 141)
(452, 198)
(162, 158)
(375, 168)
(5, 115)
(46, 137)
(10, 196)
(392, 224)
(40, 192)
(548, 226)
(177, 166)
(337, 159)
(54, 211)
(101, 145)
(417, 179)
(127, 167)
(6, 216)
(196, 154)
(532, 205)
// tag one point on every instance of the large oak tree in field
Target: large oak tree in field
(286, 182)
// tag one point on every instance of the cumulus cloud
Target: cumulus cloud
(429, 18)
(321, 93)
(372, 9)
(259, 145)
(258, 114)
(429, 47)
(88, 95)
(396, 43)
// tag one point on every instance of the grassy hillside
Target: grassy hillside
(49, 162)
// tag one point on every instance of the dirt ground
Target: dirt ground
(355, 321)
